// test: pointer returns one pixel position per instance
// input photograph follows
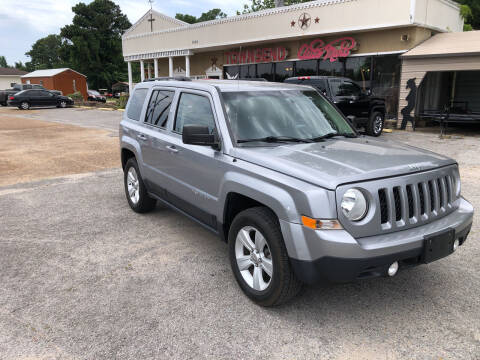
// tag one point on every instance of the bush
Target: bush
(76, 96)
(122, 101)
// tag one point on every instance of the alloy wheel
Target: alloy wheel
(254, 259)
(378, 124)
(133, 185)
(25, 105)
(63, 104)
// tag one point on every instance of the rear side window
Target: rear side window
(194, 110)
(159, 108)
(136, 104)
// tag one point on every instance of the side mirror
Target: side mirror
(198, 135)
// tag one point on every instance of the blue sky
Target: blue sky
(22, 22)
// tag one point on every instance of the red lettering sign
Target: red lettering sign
(257, 55)
(332, 51)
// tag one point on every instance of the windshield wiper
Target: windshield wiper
(333, 134)
(276, 139)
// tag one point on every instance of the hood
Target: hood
(338, 161)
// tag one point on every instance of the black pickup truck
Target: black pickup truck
(359, 106)
(4, 94)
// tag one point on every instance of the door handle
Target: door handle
(142, 136)
(172, 149)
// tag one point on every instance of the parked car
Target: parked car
(94, 95)
(278, 172)
(4, 94)
(363, 109)
(26, 99)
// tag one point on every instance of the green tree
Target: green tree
(3, 62)
(257, 5)
(20, 66)
(206, 16)
(47, 53)
(470, 11)
(95, 43)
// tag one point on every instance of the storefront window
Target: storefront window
(231, 72)
(359, 70)
(248, 71)
(327, 68)
(386, 81)
(306, 68)
(283, 70)
(265, 71)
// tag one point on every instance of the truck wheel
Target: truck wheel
(137, 195)
(375, 124)
(259, 258)
(24, 105)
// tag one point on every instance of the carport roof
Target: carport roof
(448, 44)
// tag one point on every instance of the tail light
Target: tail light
(11, 98)
(304, 78)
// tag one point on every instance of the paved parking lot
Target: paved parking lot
(83, 277)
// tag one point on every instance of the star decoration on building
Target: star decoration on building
(317, 20)
(292, 24)
(304, 21)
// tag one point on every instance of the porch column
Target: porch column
(130, 82)
(187, 65)
(155, 67)
(142, 71)
(170, 66)
(149, 71)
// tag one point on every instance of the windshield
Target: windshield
(293, 114)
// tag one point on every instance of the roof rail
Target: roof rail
(169, 78)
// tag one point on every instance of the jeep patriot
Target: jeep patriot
(281, 176)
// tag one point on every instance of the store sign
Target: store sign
(258, 55)
(317, 49)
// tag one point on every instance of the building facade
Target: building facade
(360, 39)
(66, 80)
(9, 76)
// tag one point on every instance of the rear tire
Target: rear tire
(24, 105)
(375, 124)
(135, 190)
(259, 225)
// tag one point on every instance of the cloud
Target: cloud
(29, 20)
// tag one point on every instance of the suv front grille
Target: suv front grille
(421, 200)
(404, 202)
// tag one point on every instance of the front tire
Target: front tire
(24, 105)
(135, 190)
(375, 124)
(62, 104)
(259, 259)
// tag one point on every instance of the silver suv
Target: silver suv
(280, 175)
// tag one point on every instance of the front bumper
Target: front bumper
(335, 256)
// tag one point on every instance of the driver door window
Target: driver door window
(194, 109)
(345, 88)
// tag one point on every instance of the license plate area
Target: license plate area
(437, 246)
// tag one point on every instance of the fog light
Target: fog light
(392, 270)
(456, 244)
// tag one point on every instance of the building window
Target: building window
(327, 68)
(41, 82)
(232, 72)
(248, 71)
(74, 86)
(306, 68)
(386, 81)
(265, 71)
(359, 70)
(283, 70)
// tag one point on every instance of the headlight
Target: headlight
(354, 205)
(457, 185)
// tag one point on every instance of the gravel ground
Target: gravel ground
(83, 277)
